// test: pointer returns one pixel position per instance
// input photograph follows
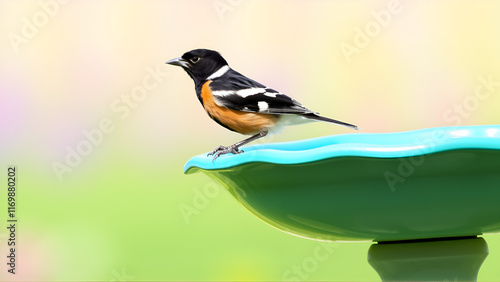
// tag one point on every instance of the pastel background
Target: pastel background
(120, 211)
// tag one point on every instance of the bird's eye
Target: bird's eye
(194, 60)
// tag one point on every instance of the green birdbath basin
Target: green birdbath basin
(423, 196)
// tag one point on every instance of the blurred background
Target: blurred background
(100, 128)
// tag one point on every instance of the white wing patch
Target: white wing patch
(222, 93)
(271, 94)
(263, 106)
(250, 91)
(243, 93)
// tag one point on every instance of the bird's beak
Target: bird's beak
(178, 62)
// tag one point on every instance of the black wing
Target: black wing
(238, 92)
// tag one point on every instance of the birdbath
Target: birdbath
(421, 196)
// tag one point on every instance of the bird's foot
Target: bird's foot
(221, 150)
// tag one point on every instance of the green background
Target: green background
(125, 211)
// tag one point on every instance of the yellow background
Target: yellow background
(117, 214)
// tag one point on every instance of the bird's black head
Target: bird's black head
(199, 63)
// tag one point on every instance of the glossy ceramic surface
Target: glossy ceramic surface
(430, 183)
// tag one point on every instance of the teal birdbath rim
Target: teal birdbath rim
(423, 195)
(374, 145)
(428, 183)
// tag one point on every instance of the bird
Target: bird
(239, 103)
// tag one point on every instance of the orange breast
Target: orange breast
(241, 122)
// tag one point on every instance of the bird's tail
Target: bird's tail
(320, 118)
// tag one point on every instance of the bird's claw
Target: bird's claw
(222, 150)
